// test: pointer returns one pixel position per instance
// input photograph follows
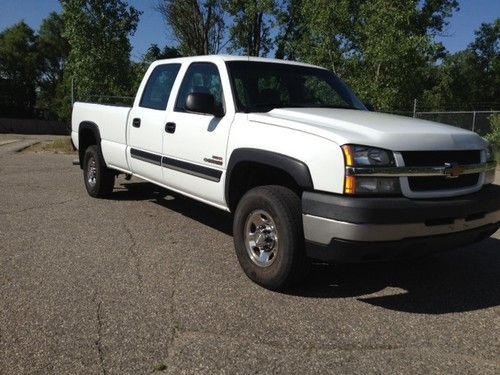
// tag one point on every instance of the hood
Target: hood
(392, 132)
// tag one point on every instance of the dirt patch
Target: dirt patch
(57, 146)
(4, 142)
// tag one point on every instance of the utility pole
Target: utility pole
(72, 91)
(415, 107)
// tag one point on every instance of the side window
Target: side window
(159, 86)
(204, 78)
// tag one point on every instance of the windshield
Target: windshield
(261, 87)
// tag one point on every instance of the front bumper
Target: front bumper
(341, 228)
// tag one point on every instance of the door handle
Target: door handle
(170, 127)
(136, 123)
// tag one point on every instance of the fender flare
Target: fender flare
(297, 169)
(92, 127)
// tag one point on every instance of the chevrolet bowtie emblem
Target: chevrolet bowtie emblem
(453, 170)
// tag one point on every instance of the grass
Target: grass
(496, 151)
(57, 146)
(161, 367)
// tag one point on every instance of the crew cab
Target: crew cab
(308, 172)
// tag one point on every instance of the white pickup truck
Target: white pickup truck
(308, 172)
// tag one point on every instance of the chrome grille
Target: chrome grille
(435, 158)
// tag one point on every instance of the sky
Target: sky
(457, 35)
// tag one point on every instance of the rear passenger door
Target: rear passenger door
(147, 121)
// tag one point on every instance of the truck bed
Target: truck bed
(112, 121)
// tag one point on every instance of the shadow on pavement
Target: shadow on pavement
(459, 280)
(203, 213)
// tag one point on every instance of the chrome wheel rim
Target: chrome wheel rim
(261, 238)
(91, 172)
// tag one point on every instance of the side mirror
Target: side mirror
(369, 106)
(200, 102)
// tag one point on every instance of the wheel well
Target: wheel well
(247, 175)
(86, 137)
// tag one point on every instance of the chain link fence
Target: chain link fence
(477, 121)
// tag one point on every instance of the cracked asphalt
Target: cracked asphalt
(148, 282)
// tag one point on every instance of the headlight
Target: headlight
(357, 156)
(363, 156)
(489, 176)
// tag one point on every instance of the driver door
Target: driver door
(194, 146)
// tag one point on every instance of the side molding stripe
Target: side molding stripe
(177, 165)
(192, 169)
(145, 156)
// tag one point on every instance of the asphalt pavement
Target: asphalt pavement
(148, 282)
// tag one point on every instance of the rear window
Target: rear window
(159, 86)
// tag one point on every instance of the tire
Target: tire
(99, 180)
(268, 237)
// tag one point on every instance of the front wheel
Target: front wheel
(99, 180)
(268, 237)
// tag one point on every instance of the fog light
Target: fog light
(369, 185)
(489, 176)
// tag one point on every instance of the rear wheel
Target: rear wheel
(99, 180)
(268, 237)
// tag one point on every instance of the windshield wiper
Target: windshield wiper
(334, 106)
(261, 108)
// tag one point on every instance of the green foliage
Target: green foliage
(152, 54)
(252, 24)
(290, 22)
(383, 48)
(494, 136)
(53, 49)
(469, 79)
(198, 25)
(19, 70)
(395, 58)
(155, 53)
(98, 32)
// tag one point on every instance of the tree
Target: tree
(452, 88)
(152, 54)
(290, 24)
(198, 25)
(469, 79)
(397, 53)
(385, 49)
(53, 47)
(486, 50)
(155, 53)
(53, 50)
(98, 32)
(252, 24)
(432, 16)
(19, 68)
